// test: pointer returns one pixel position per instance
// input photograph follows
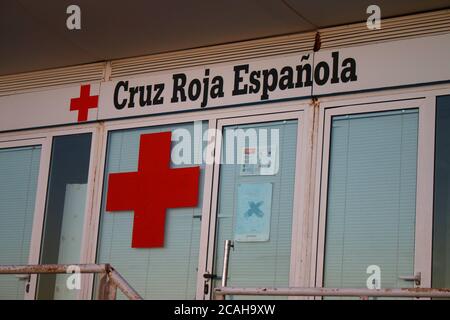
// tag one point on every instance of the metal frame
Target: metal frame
(430, 92)
(45, 137)
(298, 207)
(110, 281)
(212, 116)
(424, 200)
(364, 294)
(304, 273)
(39, 205)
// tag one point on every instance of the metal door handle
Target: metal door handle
(211, 276)
(23, 277)
(416, 278)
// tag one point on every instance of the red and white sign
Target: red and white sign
(47, 107)
(302, 75)
(153, 189)
(83, 103)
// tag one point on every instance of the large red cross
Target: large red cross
(84, 103)
(152, 189)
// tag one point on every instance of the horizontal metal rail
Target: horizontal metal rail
(362, 293)
(109, 282)
(335, 292)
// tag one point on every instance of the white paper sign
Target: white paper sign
(259, 161)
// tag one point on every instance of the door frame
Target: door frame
(45, 138)
(209, 115)
(39, 203)
(208, 236)
(425, 170)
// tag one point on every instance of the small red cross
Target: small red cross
(84, 103)
(152, 189)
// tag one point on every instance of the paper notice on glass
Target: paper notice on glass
(268, 160)
(261, 161)
(249, 162)
(254, 205)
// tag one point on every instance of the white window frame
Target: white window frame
(38, 215)
(305, 273)
(45, 137)
(425, 171)
(208, 239)
(212, 117)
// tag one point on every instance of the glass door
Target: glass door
(254, 202)
(373, 212)
(22, 190)
(168, 269)
(65, 210)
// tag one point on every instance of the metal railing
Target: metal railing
(363, 294)
(110, 280)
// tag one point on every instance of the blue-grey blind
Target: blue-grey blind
(160, 273)
(371, 198)
(19, 169)
(260, 263)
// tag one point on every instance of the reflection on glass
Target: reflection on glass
(255, 205)
(64, 215)
(441, 238)
(169, 272)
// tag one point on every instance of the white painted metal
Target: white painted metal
(297, 212)
(92, 184)
(215, 54)
(35, 81)
(43, 108)
(314, 137)
(341, 36)
(337, 292)
(39, 206)
(114, 278)
(394, 64)
(206, 217)
(391, 64)
(44, 138)
(424, 24)
(424, 208)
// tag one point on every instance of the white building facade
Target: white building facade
(355, 193)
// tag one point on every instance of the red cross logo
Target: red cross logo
(152, 189)
(84, 103)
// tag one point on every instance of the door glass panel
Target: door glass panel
(169, 272)
(255, 203)
(19, 169)
(64, 212)
(370, 222)
(441, 232)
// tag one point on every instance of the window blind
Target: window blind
(259, 263)
(371, 198)
(159, 273)
(19, 169)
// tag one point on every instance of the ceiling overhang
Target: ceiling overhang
(34, 35)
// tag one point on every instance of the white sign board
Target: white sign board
(42, 108)
(332, 71)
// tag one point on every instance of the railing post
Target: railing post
(123, 285)
(107, 289)
(226, 259)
